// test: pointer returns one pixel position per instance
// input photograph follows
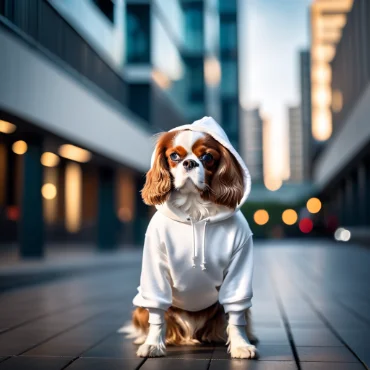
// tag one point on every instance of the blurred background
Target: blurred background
(85, 84)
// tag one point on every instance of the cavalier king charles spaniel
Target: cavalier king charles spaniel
(197, 268)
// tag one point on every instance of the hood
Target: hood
(209, 126)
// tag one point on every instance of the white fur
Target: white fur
(186, 139)
(188, 200)
(239, 345)
(154, 345)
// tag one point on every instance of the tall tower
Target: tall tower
(251, 143)
(296, 137)
(229, 69)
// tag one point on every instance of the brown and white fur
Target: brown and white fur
(212, 184)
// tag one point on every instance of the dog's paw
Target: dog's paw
(247, 351)
(150, 350)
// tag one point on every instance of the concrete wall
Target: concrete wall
(350, 139)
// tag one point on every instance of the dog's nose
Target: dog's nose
(189, 164)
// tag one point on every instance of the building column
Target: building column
(107, 224)
(361, 194)
(141, 213)
(348, 203)
(367, 193)
(31, 232)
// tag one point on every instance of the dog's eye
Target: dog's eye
(206, 157)
(174, 156)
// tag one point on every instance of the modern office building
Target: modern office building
(84, 86)
(296, 139)
(328, 17)
(342, 171)
(251, 142)
(230, 107)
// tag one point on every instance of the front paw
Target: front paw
(247, 351)
(151, 350)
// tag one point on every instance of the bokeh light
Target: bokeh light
(20, 147)
(305, 225)
(261, 217)
(125, 214)
(49, 159)
(74, 153)
(342, 235)
(314, 205)
(290, 216)
(49, 191)
(7, 127)
(212, 71)
(273, 184)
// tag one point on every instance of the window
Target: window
(227, 5)
(230, 116)
(229, 78)
(196, 80)
(137, 32)
(106, 7)
(228, 35)
(194, 26)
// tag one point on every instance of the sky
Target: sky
(272, 34)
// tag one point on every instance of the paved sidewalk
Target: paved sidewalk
(311, 311)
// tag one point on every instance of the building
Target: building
(306, 112)
(296, 140)
(328, 17)
(251, 143)
(230, 106)
(84, 85)
(342, 171)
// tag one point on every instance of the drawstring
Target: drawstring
(195, 255)
(194, 246)
(203, 265)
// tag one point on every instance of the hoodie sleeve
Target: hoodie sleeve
(236, 290)
(155, 288)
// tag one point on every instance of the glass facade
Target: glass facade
(138, 34)
(194, 26)
(229, 79)
(227, 6)
(229, 67)
(228, 32)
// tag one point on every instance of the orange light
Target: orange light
(321, 124)
(49, 191)
(273, 184)
(74, 153)
(49, 159)
(212, 71)
(313, 205)
(290, 216)
(261, 217)
(337, 101)
(7, 127)
(20, 147)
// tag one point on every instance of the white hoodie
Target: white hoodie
(221, 247)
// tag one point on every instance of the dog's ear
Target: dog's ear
(227, 183)
(158, 181)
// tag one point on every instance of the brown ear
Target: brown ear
(227, 183)
(158, 181)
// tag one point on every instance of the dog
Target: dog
(197, 267)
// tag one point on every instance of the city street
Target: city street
(311, 311)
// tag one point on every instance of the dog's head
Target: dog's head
(193, 161)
